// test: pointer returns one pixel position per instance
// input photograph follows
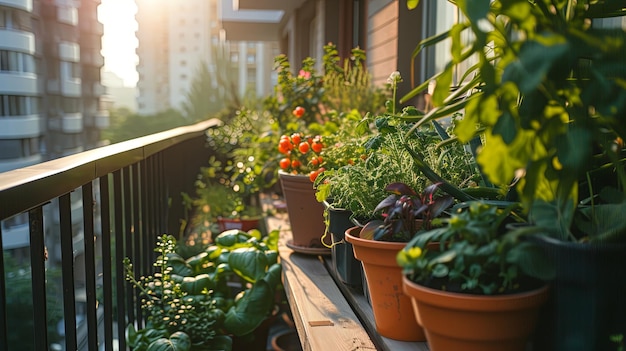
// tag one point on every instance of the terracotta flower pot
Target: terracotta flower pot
(393, 314)
(466, 322)
(306, 214)
(238, 223)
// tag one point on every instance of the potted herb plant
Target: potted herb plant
(467, 291)
(376, 245)
(547, 95)
(359, 186)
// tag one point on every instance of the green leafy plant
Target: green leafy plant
(545, 89)
(226, 290)
(471, 252)
(385, 141)
(406, 212)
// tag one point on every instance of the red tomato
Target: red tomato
(283, 149)
(313, 175)
(303, 147)
(285, 144)
(317, 147)
(285, 163)
(298, 111)
(315, 162)
(296, 138)
(296, 164)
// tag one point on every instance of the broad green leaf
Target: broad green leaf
(534, 61)
(178, 341)
(574, 150)
(532, 260)
(250, 310)
(500, 161)
(475, 10)
(248, 263)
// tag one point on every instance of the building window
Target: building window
(12, 61)
(18, 148)
(15, 105)
(71, 105)
(234, 57)
(250, 58)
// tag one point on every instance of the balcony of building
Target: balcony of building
(122, 195)
(250, 25)
(26, 5)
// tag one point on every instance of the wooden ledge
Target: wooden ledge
(328, 315)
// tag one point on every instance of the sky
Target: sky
(119, 40)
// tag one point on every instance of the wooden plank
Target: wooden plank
(323, 317)
(328, 314)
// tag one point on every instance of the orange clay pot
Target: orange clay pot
(466, 322)
(392, 309)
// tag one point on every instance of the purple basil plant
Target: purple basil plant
(405, 212)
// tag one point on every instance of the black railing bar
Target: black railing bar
(107, 261)
(163, 200)
(90, 266)
(127, 234)
(51, 179)
(136, 235)
(67, 269)
(3, 300)
(146, 216)
(153, 209)
(38, 275)
(120, 281)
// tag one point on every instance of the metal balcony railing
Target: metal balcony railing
(81, 215)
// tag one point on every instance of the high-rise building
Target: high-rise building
(176, 37)
(50, 91)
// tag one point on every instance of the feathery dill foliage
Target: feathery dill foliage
(361, 186)
(349, 86)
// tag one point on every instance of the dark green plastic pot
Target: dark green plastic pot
(348, 268)
(587, 306)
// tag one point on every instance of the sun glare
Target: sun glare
(119, 40)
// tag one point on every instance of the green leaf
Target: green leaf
(475, 10)
(442, 89)
(178, 341)
(534, 61)
(195, 285)
(249, 263)
(273, 276)
(440, 271)
(532, 260)
(250, 310)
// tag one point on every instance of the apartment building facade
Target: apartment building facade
(176, 37)
(50, 91)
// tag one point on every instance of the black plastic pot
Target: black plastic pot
(587, 306)
(348, 268)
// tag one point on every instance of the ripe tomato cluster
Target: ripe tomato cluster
(302, 153)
